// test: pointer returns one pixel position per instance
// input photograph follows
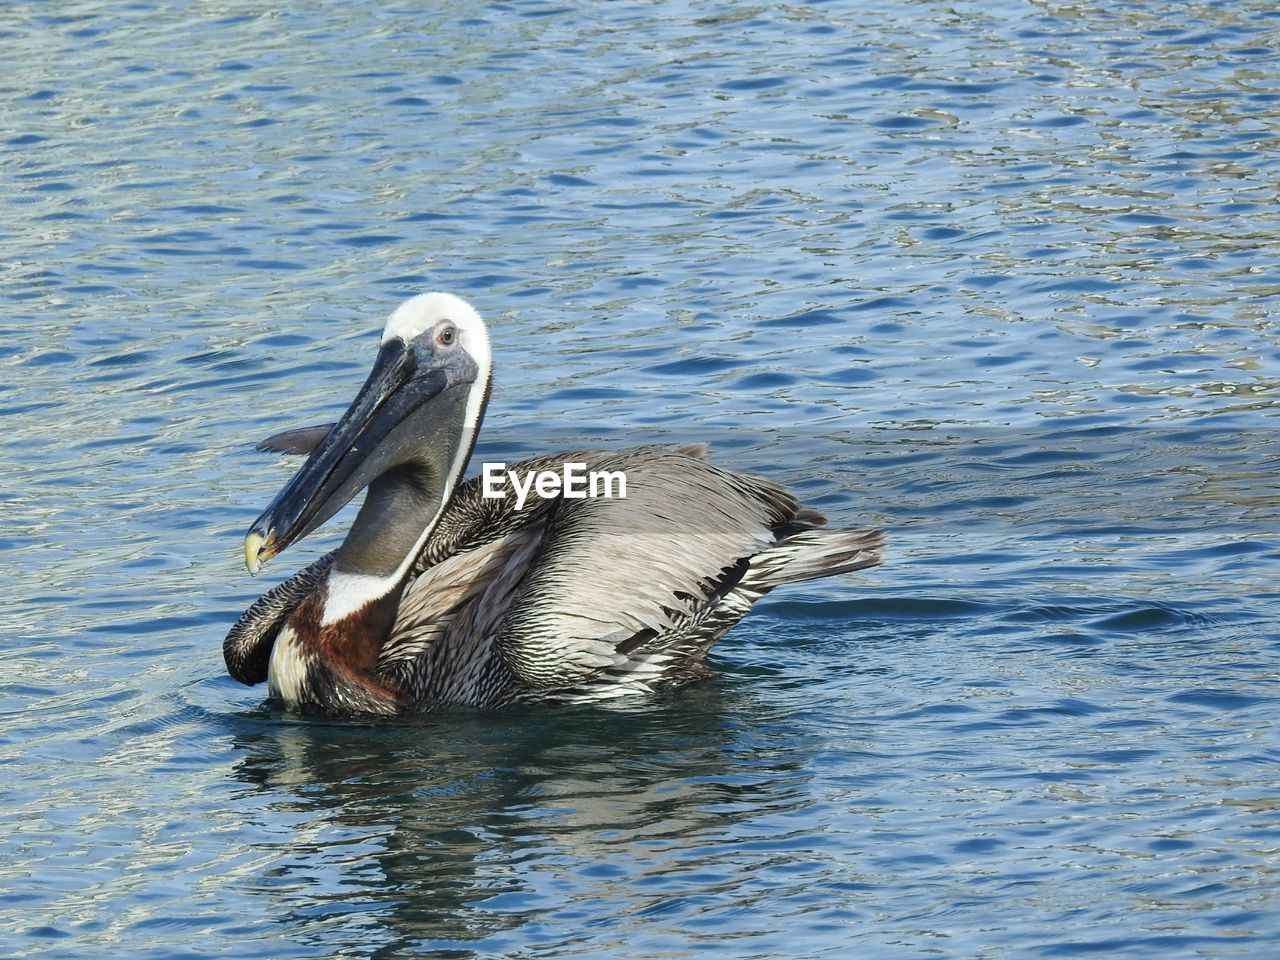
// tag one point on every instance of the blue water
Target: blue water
(1002, 278)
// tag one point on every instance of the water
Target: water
(998, 277)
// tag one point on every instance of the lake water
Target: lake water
(1000, 277)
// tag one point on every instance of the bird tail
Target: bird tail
(811, 554)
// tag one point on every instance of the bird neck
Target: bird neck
(327, 654)
(399, 512)
(401, 509)
(334, 664)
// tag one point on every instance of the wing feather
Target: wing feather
(608, 570)
(567, 590)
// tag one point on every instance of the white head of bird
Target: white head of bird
(406, 437)
(437, 311)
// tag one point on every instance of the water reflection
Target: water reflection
(464, 828)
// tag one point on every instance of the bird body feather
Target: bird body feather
(573, 600)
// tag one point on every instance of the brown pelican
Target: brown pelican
(441, 595)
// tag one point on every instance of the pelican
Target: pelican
(441, 595)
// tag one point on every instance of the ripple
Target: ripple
(1219, 699)
(1143, 620)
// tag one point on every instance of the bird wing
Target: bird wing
(568, 588)
(300, 441)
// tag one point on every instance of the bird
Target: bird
(446, 594)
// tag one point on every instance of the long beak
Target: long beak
(352, 453)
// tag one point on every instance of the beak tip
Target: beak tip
(253, 545)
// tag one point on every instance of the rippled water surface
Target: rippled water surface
(999, 277)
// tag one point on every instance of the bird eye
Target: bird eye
(446, 335)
